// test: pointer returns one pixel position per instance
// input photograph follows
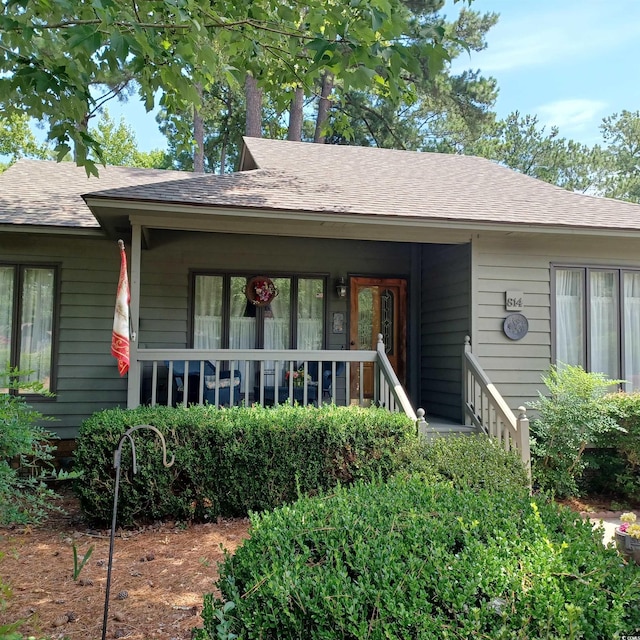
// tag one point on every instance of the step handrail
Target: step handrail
(487, 409)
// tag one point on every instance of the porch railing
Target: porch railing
(487, 410)
(245, 376)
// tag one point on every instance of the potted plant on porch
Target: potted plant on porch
(628, 537)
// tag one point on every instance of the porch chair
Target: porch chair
(225, 382)
(312, 368)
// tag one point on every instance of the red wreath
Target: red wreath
(260, 291)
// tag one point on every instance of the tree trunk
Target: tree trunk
(223, 152)
(323, 107)
(296, 115)
(253, 95)
(198, 135)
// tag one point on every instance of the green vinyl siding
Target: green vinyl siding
(524, 264)
(444, 323)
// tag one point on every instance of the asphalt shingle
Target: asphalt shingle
(328, 179)
(37, 192)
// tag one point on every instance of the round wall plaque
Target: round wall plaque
(515, 326)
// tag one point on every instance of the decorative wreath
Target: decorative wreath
(260, 291)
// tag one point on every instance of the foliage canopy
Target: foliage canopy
(52, 52)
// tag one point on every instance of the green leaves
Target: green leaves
(233, 461)
(52, 52)
(572, 415)
(413, 559)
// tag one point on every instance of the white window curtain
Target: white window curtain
(277, 317)
(310, 313)
(7, 275)
(208, 312)
(37, 323)
(631, 302)
(242, 328)
(570, 317)
(604, 323)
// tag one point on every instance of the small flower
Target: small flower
(628, 517)
(634, 531)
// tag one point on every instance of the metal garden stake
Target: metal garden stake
(116, 463)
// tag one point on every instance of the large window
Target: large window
(223, 317)
(597, 321)
(27, 312)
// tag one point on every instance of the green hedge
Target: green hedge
(622, 448)
(406, 559)
(232, 461)
(473, 461)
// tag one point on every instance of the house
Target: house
(432, 252)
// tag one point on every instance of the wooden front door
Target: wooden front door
(378, 306)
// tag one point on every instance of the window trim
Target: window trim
(587, 269)
(293, 313)
(14, 352)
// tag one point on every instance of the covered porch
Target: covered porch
(231, 377)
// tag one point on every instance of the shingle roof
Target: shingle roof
(294, 176)
(37, 192)
(327, 179)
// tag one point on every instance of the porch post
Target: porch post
(465, 381)
(133, 382)
(524, 445)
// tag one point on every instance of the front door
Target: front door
(378, 306)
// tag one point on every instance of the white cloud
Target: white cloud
(535, 34)
(571, 115)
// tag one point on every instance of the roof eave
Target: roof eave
(95, 232)
(162, 215)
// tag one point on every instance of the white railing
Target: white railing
(487, 410)
(267, 377)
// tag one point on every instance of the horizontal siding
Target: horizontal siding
(524, 264)
(444, 321)
(86, 373)
(86, 377)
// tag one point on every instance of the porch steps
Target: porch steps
(437, 427)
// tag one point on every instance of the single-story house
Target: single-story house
(314, 249)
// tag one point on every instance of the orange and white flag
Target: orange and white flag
(120, 335)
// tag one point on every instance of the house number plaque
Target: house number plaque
(514, 301)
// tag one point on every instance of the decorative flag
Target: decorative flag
(120, 335)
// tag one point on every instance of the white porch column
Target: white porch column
(133, 383)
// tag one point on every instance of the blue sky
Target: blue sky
(570, 62)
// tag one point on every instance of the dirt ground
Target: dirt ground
(159, 576)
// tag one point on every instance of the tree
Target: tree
(51, 53)
(621, 134)
(223, 122)
(437, 93)
(521, 143)
(119, 145)
(18, 141)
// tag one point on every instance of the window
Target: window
(223, 317)
(27, 316)
(597, 321)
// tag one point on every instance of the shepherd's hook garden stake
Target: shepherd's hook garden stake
(116, 464)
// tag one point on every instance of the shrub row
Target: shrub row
(233, 461)
(473, 461)
(620, 450)
(407, 559)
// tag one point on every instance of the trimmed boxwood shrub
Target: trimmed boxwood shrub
(232, 461)
(406, 559)
(475, 461)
